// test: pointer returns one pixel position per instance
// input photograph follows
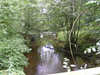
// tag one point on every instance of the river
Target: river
(44, 60)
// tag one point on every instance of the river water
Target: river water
(50, 61)
(45, 60)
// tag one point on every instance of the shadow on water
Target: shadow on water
(43, 60)
(33, 59)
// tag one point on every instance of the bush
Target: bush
(11, 53)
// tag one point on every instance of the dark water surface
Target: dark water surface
(43, 61)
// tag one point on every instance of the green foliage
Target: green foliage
(11, 16)
(11, 50)
(95, 49)
(16, 72)
(95, 2)
(60, 16)
(12, 45)
(88, 36)
(61, 36)
(35, 16)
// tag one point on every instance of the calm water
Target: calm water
(44, 60)
(50, 61)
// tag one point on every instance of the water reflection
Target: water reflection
(49, 60)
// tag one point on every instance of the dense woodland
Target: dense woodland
(76, 24)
